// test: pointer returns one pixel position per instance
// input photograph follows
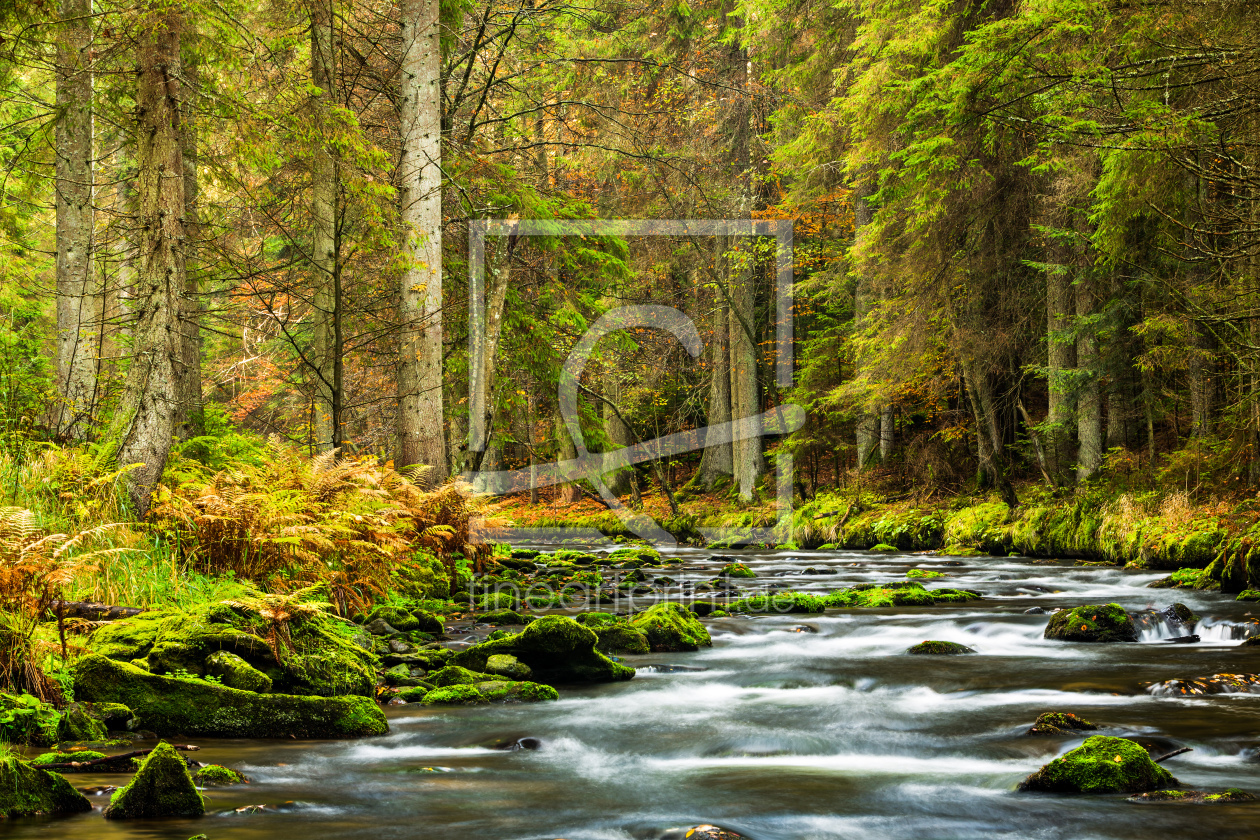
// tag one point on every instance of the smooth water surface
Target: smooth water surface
(789, 727)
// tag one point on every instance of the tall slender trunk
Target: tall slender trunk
(717, 459)
(868, 423)
(188, 422)
(618, 481)
(78, 302)
(1061, 359)
(145, 421)
(1089, 419)
(421, 431)
(324, 257)
(989, 448)
(566, 450)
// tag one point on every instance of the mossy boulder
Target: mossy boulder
(621, 637)
(27, 791)
(167, 705)
(1060, 723)
(163, 787)
(924, 573)
(556, 648)
(1101, 765)
(883, 548)
(937, 648)
(904, 594)
(671, 627)
(490, 691)
(319, 656)
(69, 757)
(598, 619)
(78, 723)
(454, 695)
(455, 675)
(216, 775)
(507, 665)
(780, 602)
(1092, 623)
(737, 570)
(396, 617)
(235, 672)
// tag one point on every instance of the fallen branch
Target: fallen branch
(92, 610)
(1173, 753)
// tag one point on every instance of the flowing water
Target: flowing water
(789, 727)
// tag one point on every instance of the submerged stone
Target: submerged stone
(163, 787)
(193, 707)
(556, 648)
(216, 775)
(1059, 723)
(1092, 623)
(1194, 797)
(1101, 765)
(27, 791)
(937, 648)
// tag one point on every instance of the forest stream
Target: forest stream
(788, 727)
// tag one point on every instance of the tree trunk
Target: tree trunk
(1089, 397)
(144, 423)
(421, 435)
(868, 423)
(886, 431)
(618, 481)
(1061, 359)
(566, 450)
(78, 304)
(989, 448)
(324, 257)
(188, 420)
(717, 459)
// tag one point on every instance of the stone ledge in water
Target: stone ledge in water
(1194, 797)
(490, 691)
(194, 707)
(1060, 723)
(27, 791)
(937, 648)
(216, 775)
(163, 787)
(1215, 684)
(1101, 765)
(1092, 623)
(904, 594)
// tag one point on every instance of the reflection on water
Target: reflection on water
(790, 727)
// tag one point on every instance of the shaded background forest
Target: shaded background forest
(1027, 233)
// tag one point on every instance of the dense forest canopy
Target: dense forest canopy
(1027, 241)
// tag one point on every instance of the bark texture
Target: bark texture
(325, 350)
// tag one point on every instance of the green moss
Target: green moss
(1101, 765)
(780, 602)
(1249, 595)
(907, 594)
(621, 637)
(235, 672)
(193, 707)
(507, 691)
(737, 570)
(556, 648)
(924, 573)
(414, 693)
(66, 757)
(883, 547)
(598, 619)
(27, 791)
(507, 665)
(216, 775)
(163, 787)
(396, 617)
(496, 601)
(454, 695)
(1092, 623)
(936, 648)
(79, 724)
(671, 627)
(454, 675)
(509, 617)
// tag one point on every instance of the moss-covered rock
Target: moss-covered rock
(414, 693)
(671, 627)
(937, 648)
(737, 570)
(69, 757)
(780, 602)
(1092, 623)
(27, 791)
(556, 648)
(115, 716)
(318, 656)
(454, 695)
(1214, 684)
(163, 787)
(216, 775)
(516, 691)
(1101, 765)
(505, 617)
(193, 707)
(235, 672)
(621, 637)
(1060, 723)
(924, 573)
(78, 723)
(507, 665)
(905, 594)
(455, 675)
(396, 617)
(883, 548)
